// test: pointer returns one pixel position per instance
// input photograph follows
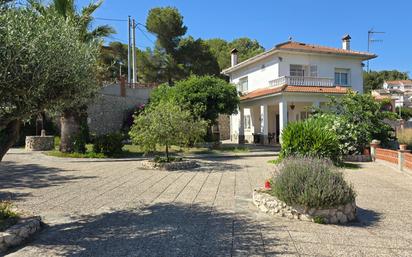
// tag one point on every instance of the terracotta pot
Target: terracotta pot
(366, 151)
(402, 147)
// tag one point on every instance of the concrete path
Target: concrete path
(116, 208)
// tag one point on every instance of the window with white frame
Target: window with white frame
(297, 70)
(247, 124)
(313, 71)
(342, 77)
(242, 86)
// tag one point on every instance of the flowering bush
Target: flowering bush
(311, 182)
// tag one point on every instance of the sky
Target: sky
(321, 22)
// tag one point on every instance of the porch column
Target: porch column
(283, 116)
(241, 126)
(264, 124)
(316, 104)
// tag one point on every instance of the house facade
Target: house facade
(281, 84)
(401, 91)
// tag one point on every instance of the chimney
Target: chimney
(233, 56)
(346, 42)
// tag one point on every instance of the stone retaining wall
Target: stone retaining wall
(39, 143)
(19, 233)
(181, 165)
(271, 205)
(358, 158)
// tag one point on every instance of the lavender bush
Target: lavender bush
(311, 182)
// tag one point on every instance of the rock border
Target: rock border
(180, 165)
(39, 143)
(19, 233)
(271, 205)
(358, 158)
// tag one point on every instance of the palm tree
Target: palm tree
(71, 117)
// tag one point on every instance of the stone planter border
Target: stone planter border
(39, 143)
(271, 205)
(180, 165)
(358, 158)
(19, 233)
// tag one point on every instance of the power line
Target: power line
(109, 19)
(145, 35)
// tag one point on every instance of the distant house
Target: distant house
(279, 85)
(401, 91)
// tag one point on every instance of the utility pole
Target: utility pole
(134, 52)
(128, 53)
(371, 32)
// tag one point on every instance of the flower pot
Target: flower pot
(402, 147)
(366, 151)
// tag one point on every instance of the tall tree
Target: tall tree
(32, 79)
(374, 79)
(72, 115)
(221, 49)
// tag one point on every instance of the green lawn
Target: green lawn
(130, 151)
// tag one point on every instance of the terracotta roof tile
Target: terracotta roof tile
(397, 82)
(291, 45)
(297, 89)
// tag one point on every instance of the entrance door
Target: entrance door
(277, 129)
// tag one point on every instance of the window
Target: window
(313, 71)
(342, 77)
(297, 70)
(247, 122)
(243, 85)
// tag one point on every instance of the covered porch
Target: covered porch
(261, 120)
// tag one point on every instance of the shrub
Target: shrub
(310, 138)
(7, 215)
(311, 182)
(109, 144)
(404, 136)
(79, 143)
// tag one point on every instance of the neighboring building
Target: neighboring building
(279, 85)
(389, 96)
(401, 90)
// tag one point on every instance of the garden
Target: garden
(308, 183)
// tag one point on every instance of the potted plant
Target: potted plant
(404, 137)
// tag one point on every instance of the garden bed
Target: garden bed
(271, 205)
(173, 165)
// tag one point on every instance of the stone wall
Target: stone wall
(39, 143)
(109, 110)
(19, 233)
(271, 205)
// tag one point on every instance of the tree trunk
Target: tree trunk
(10, 136)
(69, 128)
(167, 153)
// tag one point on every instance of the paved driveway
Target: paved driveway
(116, 208)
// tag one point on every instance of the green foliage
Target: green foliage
(310, 138)
(79, 143)
(8, 216)
(109, 144)
(206, 96)
(160, 159)
(374, 79)
(352, 137)
(363, 116)
(311, 182)
(404, 136)
(166, 124)
(30, 44)
(406, 112)
(319, 220)
(221, 49)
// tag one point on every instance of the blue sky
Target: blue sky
(320, 22)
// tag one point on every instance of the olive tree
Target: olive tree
(43, 66)
(166, 124)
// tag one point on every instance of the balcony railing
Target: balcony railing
(302, 81)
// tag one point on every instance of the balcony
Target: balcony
(302, 81)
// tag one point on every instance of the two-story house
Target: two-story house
(279, 85)
(401, 90)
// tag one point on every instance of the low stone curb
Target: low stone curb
(181, 165)
(358, 158)
(18, 233)
(271, 205)
(39, 143)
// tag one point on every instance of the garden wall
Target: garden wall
(387, 155)
(109, 110)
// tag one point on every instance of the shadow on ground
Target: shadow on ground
(157, 230)
(365, 218)
(13, 175)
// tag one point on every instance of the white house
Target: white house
(401, 91)
(279, 85)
